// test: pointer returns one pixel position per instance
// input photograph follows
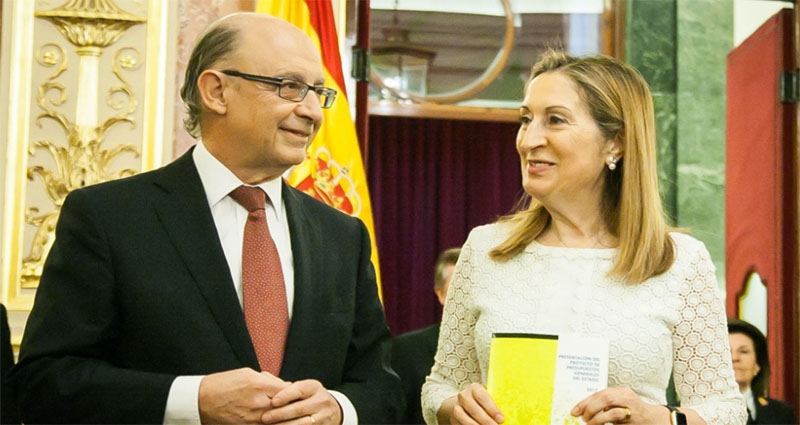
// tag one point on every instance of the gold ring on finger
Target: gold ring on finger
(627, 415)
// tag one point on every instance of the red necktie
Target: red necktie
(263, 290)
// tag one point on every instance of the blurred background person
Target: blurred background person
(412, 352)
(751, 367)
(591, 255)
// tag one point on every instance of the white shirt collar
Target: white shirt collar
(219, 181)
(751, 401)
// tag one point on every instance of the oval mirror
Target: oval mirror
(400, 66)
(469, 52)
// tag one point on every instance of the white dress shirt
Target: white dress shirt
(230, 218)
(751, 402)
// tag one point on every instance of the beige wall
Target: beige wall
(49, 89)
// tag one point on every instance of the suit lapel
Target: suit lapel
(305, 243)
(187, 219)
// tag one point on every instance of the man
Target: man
(138, 317)
(412, 352)
(8, 408)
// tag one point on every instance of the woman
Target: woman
(751, 367)
(590, 255)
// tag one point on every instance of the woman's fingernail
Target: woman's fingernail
(499, 418)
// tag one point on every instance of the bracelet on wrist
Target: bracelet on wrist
(676, 417)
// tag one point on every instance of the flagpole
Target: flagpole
(362, 87)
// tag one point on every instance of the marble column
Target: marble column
(680, 46)
(705, 37)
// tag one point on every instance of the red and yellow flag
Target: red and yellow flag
(333, 172)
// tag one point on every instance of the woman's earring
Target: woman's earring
(612, 163)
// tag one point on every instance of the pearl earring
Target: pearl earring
(612, 163)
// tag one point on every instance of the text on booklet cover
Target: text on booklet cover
(536, 379)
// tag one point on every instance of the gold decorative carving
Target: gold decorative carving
(90, 25)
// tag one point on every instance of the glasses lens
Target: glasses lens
(326, 97)
(292, 90)
(296, 92)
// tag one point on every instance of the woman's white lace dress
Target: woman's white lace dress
(672, 322)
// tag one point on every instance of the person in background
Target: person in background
(751, 366)
(412, 352)
(591, 254)
(152, 303)
(8, 408)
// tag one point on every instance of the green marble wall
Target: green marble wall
(705, 37)
(680, 46)
(650, 46)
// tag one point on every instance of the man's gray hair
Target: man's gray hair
(215, 44)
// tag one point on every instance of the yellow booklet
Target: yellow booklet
(536, 379)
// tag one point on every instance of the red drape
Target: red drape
(431, 181)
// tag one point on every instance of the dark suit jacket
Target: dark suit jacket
(136, 291)
(412, 359)
(8, 408)
(773, 412)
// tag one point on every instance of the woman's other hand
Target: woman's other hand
(619, 405)
(472, 406)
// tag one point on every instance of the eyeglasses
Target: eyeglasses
(289, 89)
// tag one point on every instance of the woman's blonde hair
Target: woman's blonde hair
(620, 102)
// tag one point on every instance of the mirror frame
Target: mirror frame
(471, 89)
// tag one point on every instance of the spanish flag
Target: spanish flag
(333, 171)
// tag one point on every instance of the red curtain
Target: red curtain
(431, 181)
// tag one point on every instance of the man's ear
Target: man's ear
(440, 294)
(211, 86)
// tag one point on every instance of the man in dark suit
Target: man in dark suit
(412, 352)
(8, 408)
(138, 317)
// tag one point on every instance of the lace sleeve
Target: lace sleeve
(455, 364)
(703, 373)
